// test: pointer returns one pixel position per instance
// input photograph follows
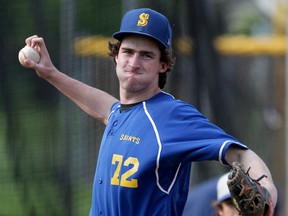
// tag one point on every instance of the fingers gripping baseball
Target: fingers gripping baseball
(35, 55)
(249, 197)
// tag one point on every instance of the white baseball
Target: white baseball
(28, 52)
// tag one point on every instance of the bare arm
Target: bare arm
(248, 158)
(93, 101)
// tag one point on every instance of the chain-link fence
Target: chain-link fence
(49, 147)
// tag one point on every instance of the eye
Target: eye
(127, 51)
(147, 55)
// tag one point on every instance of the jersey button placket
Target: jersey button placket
(111, 132)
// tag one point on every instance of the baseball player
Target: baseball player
(151, 138)
(210, 198)
(200, 198)
(224, 205)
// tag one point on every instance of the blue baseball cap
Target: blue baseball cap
(147, 22)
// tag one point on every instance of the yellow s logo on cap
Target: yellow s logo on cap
(143, 19)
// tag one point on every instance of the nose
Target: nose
(134, 61)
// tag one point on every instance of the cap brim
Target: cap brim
(120, 35)
(223, 198)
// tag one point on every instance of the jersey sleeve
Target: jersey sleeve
(187, 135)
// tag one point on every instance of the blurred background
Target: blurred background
(231, 62)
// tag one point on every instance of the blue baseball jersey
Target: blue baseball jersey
(145, 157)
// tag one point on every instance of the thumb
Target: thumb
(29, 63)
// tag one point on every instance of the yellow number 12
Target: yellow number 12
(123, 180)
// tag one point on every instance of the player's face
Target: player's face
(138, 65)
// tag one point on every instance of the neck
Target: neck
(136, 97)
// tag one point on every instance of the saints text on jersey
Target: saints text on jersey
(130, 138)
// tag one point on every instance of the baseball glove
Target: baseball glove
(249, 197)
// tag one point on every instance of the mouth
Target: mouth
(133, 72)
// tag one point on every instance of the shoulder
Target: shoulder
(114, 107)
(169, 105)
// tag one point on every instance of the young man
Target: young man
(150, 138)
(211, 198)
(224, 205)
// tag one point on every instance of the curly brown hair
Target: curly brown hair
(166, 56)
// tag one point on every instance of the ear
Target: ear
(220, 210)
(164, 67)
